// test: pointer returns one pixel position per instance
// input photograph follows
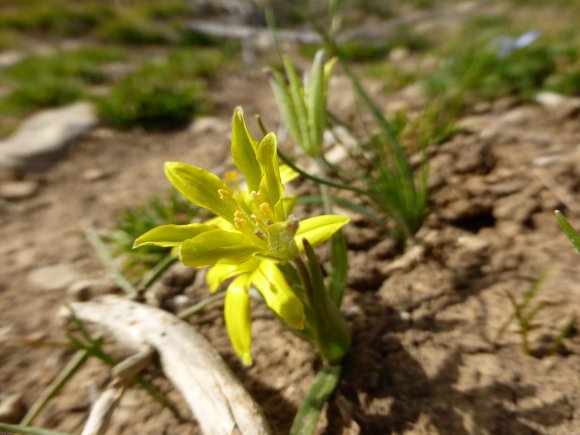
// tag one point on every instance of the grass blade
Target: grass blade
(568, 230)
(68, 372)
(194, 309)
(107, 261)
(310, 410)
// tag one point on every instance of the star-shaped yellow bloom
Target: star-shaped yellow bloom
(252, 232)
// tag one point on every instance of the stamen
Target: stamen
(224, 194)
(265, 208)
(231, 175)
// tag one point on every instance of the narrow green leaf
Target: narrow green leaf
(56, 386)
(533, 290)
(337, 276)
(297, 96)
(286, 106)
(316, 103)
(332, 334)
(568, 230)
(107, 260)
(310, 410)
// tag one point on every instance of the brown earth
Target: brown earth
(426, 357)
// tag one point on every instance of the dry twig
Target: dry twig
(218, 401)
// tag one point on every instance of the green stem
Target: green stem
(324, 385)
(155, 273)
(194, 309)
(305, 174)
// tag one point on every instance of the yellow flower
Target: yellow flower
(251, 233)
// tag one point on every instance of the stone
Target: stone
(208, 124)
(95, 174)
(13, 190)
(12, 409)
(43, 137)
(52, 278)
(569, 109)
(549, 99)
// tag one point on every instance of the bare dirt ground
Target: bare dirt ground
(425, 357)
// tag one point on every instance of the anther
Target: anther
(224, 194)
(231, 175)
(265, 208)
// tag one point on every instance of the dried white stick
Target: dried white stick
(218, 401)
(123, 373)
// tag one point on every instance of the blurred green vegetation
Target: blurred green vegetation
(132, 89)
(162, 95)
(52, 80)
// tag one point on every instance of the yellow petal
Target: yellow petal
(244, 151)
(220, 223)
(287, 174)
(201, 188)
(319, 229)
(221, 272)
(271, 184)
(171, 235)
(238, 318)
(278, 295)
(210, 247)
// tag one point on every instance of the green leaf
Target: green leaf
(310, 410)
(201, 188)
(244, 151)
(210, 247)
(286, 106)
(171, 235)
(332, 334)
(297, 96)
(568, 230)
(238, 317)
(337, 276)
(316, 103)
(319, 229)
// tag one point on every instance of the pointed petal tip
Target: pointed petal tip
(246, 359)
